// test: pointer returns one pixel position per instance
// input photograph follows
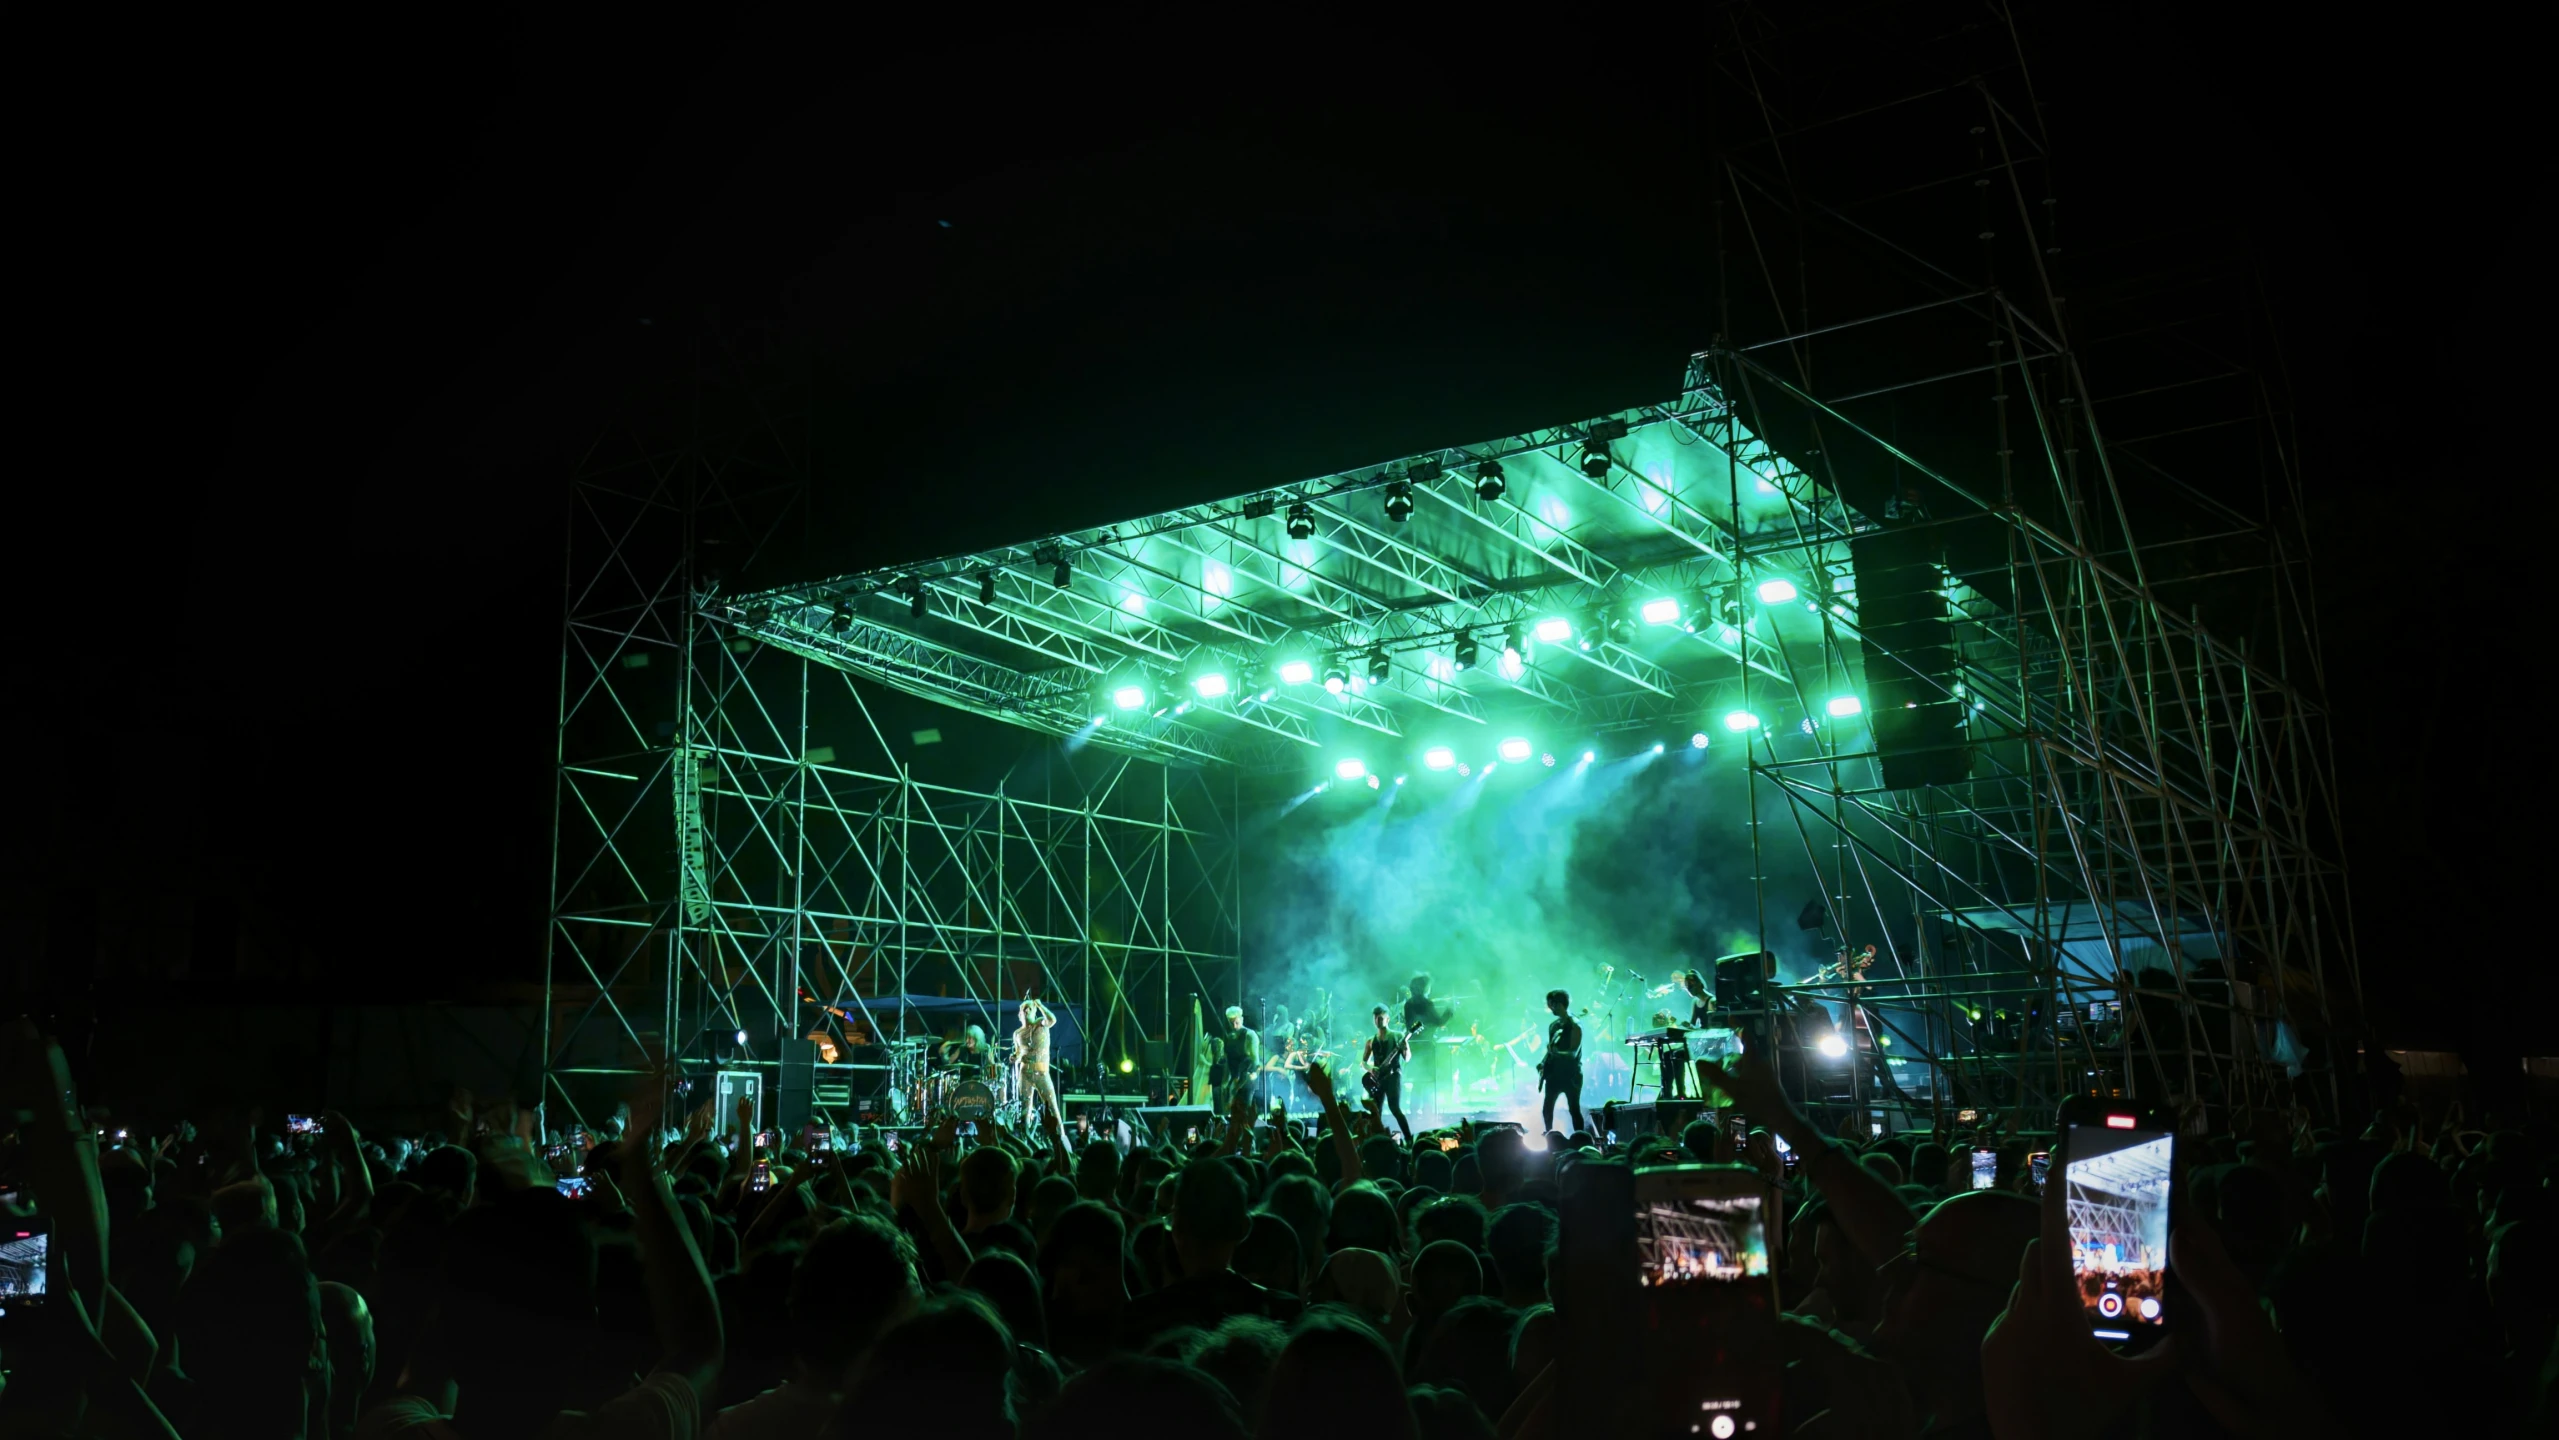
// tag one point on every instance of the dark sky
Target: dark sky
(330, 327)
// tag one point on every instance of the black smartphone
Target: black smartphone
(576, 1187)
(1985, 1167)
(893, 1142)
(1705, 1256)
(764, 1140)
(762, 1178)
(2036, 1166)
(26, 1269)
(2120, 1173)
(301, 1125)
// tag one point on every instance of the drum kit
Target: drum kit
(988, 1089)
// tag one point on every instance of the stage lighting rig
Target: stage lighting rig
(1399, 501)
(1463, 653)
(1301, 521)
(986, 588)
(1063, 575)
(913, 590)
(1336, 679)
(1378, 666)
(1296, 672)
(1595, 460)
(1489, 482)
(841, 619)
(1423, 471)
(1260, 507)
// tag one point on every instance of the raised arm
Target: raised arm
(1872, 1216)
(681, 1303)
(1319, 1083)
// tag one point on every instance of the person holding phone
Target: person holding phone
(1944, 1280)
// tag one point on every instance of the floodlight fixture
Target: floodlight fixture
(913, 589)
(1554, 630)
(1845, 705)
(1296, 672)
(1260, 507)
(1595, 460)
(1832, 1047)
(1438, 757)
(841, 620)
(986, 588)
(1776, 590)
(1515, 749)
(1336, 679)
(1301, 521)
(1424, 470)
(1399, 501)
(1210, 684)
(1489, 482)
(1349, 769)
(1697, 741)
(1738, 721)
(1063, 575)
(1664, 611)
(1129, 697)
(1463, 654)
(1379, 668)
(1589, 755)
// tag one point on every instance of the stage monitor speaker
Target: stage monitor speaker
(795, 1087)
(1908, 642)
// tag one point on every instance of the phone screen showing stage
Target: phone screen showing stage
(1985, 1169)
(1685, 1237)
(2117, 1183)
(1702, 1256)
(26, 1267)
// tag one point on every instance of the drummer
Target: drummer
(967, 1053)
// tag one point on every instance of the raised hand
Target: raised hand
(1319, 1083)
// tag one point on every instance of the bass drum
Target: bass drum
(970, 1100)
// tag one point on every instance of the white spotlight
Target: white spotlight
(1832, 1046)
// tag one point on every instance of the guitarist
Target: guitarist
(1559, 1074)
(1382, 1069)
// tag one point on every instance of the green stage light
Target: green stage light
(1664, 611)
(1438, 757)
(1777, 591)
(1350, 769)
(1296, 672)
(1740, 720)
(1697, 741)
(1554, 629)
(1127, 1066)
(1515, 749)
(1210, 685)
(1589, 755)
(1129, 697)
(1845, 705)
(1336, 680)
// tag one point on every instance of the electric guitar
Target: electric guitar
(1373, 1079)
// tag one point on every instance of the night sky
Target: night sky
(323, 323)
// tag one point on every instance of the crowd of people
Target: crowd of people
(226, 1278)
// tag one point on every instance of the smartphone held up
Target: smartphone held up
(2119, 1171)
(1704, 1258)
